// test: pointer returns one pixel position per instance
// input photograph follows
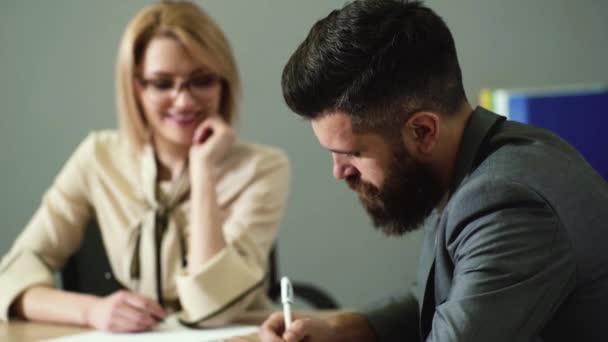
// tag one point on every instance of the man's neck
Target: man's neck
(450, 144)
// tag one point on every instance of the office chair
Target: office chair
(308, 292)
(88, 271)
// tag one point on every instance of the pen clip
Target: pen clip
(286, 291)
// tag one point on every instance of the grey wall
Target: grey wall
(56, 71)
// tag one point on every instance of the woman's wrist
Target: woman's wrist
(87, 309)
(202, 176)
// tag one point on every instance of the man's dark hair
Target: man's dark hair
(377, 60)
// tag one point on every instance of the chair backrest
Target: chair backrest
(89, 271)
(310, 293)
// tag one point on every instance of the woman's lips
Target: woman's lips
(183, 119)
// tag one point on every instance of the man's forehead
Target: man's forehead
(333, 129)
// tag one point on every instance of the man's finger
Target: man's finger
(269, 336)
(272, 328)
(297, 330)
(275, 322)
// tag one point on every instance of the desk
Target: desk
(23, 331)
(30, 331)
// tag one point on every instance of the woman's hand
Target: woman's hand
(210, 142)
(124, 311)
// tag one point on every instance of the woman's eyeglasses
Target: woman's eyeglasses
(160, 89)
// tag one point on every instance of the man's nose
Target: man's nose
(342, 168)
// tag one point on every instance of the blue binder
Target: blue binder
(580, 117)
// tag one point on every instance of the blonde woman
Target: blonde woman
(187, 214)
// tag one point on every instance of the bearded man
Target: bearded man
(515, 220)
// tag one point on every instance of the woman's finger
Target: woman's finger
(146, 305)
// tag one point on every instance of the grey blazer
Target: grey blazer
(520, 250)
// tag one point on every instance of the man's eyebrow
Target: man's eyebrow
(348, 152)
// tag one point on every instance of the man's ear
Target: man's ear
(419, 133)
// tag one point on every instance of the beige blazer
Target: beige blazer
(107, 181)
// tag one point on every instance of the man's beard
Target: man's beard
(408, 195)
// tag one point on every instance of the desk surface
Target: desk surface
(24, 331)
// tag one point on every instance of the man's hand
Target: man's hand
(303, 328)
(336, 328)
(124, 311)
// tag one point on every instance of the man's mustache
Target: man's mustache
(364, 189)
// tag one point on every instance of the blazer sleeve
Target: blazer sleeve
(52, 235)
(229, 283)
(513, 265)
(396, 320)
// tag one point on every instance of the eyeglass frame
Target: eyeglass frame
(177, 86)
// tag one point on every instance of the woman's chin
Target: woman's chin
(178, 139)
(184, 140)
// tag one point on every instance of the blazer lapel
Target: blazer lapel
(476, 132)
(426, 273)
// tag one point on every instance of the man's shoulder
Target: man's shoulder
(520, 162)
(482, 190)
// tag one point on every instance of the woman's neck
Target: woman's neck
(171, 159)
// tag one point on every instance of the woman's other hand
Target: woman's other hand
(123, 312)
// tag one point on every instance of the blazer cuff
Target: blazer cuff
(395, 320)
(221, 283)
(22, 271)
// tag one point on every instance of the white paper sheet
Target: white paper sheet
(170, 330)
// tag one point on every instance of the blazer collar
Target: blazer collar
(473, 147)
(148, 174)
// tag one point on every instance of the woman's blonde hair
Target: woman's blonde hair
(199, 34)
